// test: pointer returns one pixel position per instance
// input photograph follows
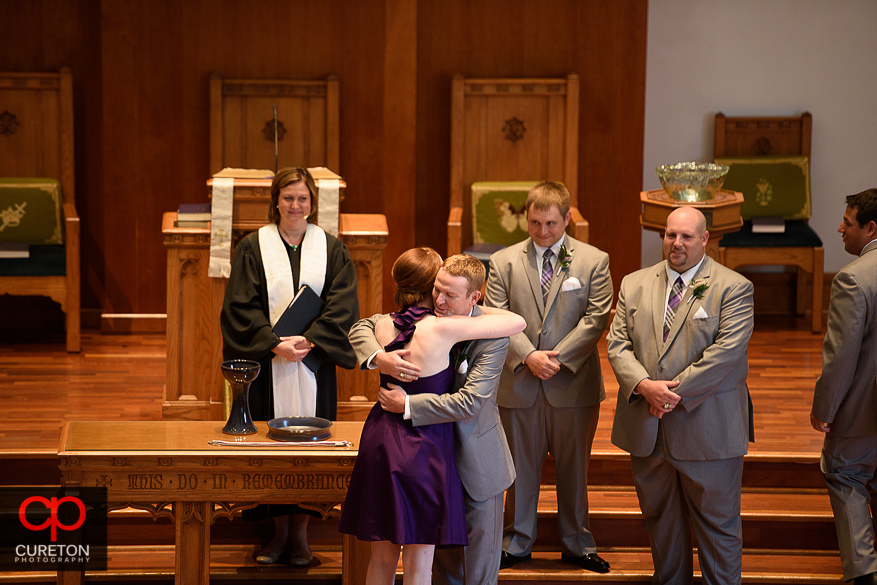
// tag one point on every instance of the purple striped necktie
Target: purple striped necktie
(547, 273)
(672, 305)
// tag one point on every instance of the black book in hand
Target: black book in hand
(303, 309)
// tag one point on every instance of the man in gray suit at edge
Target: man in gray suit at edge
(845, 400)
(678, 345)
(482, 454)
(552, 384)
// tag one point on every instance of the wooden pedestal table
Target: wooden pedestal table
(722, 214)
(169, 469)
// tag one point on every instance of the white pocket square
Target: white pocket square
(571, 283)
(700, 314)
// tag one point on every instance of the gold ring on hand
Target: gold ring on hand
(666, 406)
(402, 375)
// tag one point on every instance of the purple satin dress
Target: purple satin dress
(405, 487)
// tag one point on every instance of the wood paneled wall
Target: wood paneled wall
(141, 70)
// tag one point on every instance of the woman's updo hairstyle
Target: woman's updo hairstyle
(414, 274)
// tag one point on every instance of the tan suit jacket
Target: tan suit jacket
(708, 357)
(846, 392)
(571, 322)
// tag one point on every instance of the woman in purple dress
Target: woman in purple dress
(405, 489)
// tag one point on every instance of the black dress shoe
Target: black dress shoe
(869, 579)
(506, 560)
(591, 562)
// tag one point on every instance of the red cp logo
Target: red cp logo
(52, 505)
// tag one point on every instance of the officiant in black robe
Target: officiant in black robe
(246, 327)
(246, 331)
(269, 265)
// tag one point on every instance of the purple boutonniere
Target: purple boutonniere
(564, 256)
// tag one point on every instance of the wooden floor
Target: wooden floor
(115, 377)
(120, 377)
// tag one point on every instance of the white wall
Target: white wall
(771, 58)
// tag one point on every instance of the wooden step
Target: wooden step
(772, 518)
(634, 565)
(32, 467)
(779, 469)
(629, 565)
(755, 504)
(130, 527)
(227, 562)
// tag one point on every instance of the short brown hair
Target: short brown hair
(286, 177)
(866, 206)
(469, 267)
(414, 274)
(548, 193)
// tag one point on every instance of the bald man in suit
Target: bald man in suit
(678, 345)
(552, 385)
(845, 399)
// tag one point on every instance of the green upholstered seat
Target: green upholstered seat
(797, 235)
(43, 261)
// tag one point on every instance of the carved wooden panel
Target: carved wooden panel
(29, 134)
(242, 123)
(763, 136)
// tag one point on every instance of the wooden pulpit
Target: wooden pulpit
(194, 302)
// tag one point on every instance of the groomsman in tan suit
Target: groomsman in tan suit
(845, 400)
(678, 347)
(551, 386)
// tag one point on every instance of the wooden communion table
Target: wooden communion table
(169, 469)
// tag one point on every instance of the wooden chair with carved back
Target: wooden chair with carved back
(770, 165)
(512, 131)
(37, 192)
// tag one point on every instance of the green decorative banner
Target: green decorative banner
(499, 215)
(30, 211)
(772, 186)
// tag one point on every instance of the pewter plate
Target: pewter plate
(299, 428)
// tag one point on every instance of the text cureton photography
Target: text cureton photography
(46, 529)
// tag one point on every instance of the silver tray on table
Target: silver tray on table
(299, 428)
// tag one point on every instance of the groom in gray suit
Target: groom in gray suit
(845, 400)
(678, 347)
(552, 385)
(482, 454)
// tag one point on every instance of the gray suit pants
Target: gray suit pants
(849, 465)
(707, 493)
(478, 563)
(566, 433)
